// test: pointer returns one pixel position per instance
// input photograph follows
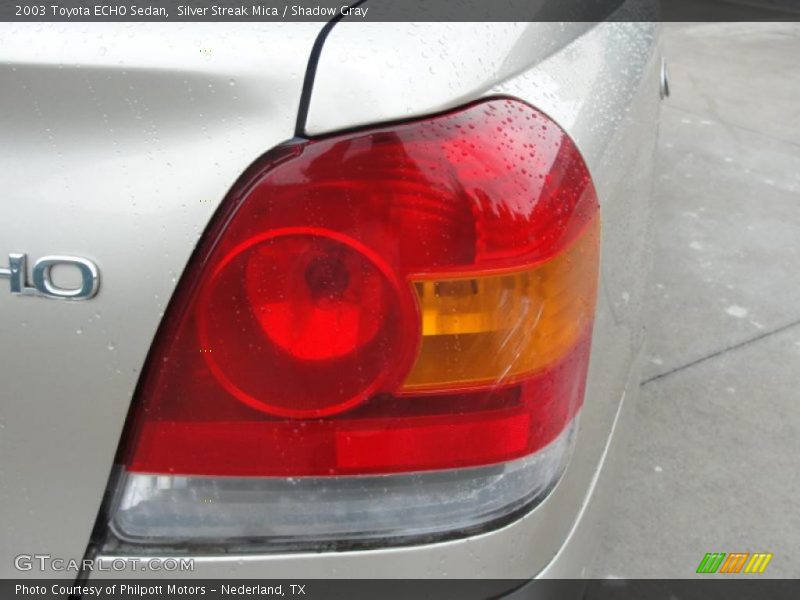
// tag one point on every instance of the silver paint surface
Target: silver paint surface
(117, 143)
(140, 131)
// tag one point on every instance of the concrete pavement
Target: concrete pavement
(712, 461)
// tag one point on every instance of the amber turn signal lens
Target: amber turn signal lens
(490, 330)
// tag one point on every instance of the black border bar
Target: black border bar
(396, 10)
(742, 587)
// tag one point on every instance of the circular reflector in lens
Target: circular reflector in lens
(314, 297)
(307, 322)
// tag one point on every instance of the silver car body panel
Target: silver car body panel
(133, 205)
(117, 143)
(373, 72)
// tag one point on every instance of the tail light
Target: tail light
(384, 335)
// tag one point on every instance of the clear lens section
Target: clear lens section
(275, 513)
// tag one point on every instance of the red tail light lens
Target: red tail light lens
(414, 297)
(286, 313)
